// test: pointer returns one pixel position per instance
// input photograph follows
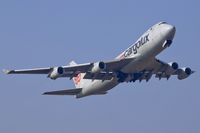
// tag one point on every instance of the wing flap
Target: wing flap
(64, 92)
(99, 76)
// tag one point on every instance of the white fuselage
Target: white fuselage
(150, 44)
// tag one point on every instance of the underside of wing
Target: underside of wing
(64, 92)
(99, 76)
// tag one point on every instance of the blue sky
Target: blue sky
(41, 33)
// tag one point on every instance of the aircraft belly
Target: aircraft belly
(98, 86)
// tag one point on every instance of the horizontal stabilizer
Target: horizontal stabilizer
(64, 92)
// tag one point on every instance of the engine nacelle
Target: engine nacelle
(184, 73)
(98, 67)
(57, 72)
(173, 66)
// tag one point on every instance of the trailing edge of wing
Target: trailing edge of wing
(64, 92)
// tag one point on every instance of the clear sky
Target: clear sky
(42, 33)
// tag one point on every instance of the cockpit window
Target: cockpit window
(162, 23)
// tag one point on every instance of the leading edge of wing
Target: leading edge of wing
(110, 65)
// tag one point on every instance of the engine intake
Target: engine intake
(60, 70)
(98, 67)
(184, 73)
(57, 72)
(173, 66)
(188, 71)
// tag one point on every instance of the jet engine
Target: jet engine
(184, 73)
(56, 72)
(173, 66)
(98, 67)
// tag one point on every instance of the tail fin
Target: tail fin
(78, 80)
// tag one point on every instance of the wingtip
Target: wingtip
(45, 93)
(7, 71)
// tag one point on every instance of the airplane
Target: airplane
(138, 62)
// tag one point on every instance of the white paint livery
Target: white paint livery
(138, 62)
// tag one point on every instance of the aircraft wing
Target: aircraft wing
(72, 70)
(29, 71)
(162, 69)
(111, 66)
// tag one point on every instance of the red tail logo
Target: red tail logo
(77, 79)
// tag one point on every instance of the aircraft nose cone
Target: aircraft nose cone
(169, 31)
